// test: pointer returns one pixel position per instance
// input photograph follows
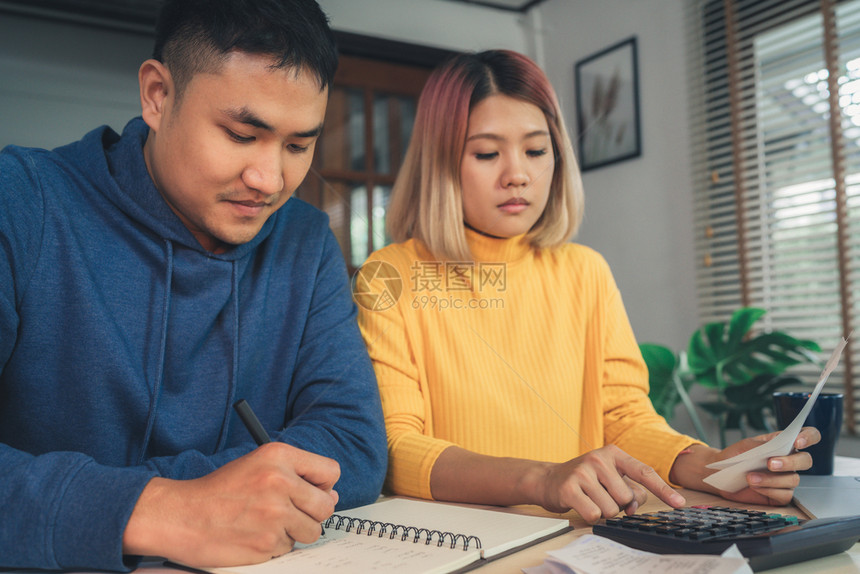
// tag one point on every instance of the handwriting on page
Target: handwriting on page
(732, 472)
(590, 554)
(348, 553)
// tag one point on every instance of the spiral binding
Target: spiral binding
(371, 527)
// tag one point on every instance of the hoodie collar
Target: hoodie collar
(135, 193)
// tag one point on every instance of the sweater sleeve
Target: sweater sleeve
(412, 450)
(334, 408)
(63, 511)
(60, 510)
(630, 421)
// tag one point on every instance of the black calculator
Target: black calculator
(766, 539)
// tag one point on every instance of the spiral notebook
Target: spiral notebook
(403, 535)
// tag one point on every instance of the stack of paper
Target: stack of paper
(590, 554)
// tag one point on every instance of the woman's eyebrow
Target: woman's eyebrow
(497, 137)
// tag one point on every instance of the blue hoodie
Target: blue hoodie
(124, 344)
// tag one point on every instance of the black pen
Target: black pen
(255, 427)
(252, 423)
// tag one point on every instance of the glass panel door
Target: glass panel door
(367, 129)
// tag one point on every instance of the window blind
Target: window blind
(775, 117)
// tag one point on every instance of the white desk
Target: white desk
(842, 563)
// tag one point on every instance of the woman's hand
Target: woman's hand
(598, 484)
(774, 486)
(603, 482)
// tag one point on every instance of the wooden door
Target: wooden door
(368, 123)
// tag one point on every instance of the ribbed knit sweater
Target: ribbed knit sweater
(520, 353)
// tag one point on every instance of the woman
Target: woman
(508, 370)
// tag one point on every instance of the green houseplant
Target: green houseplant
(741, 368)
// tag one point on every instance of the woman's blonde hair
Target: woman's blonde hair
(426, 202)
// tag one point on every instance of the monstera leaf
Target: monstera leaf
(662, 365)
(721, 355)
(669, 383)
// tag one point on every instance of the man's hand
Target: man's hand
(248, 511)
(603, 482)
(774, 486)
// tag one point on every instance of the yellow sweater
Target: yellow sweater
(520, 353)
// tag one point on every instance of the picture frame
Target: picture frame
(607, 106)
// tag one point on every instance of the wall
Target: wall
(638, 213)
(60, 80)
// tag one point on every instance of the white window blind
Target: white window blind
(775, 99)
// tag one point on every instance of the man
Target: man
(148, 281)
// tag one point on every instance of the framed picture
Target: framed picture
(607, 106)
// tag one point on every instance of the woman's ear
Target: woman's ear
(156, 87)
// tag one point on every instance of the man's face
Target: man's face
(236, 146)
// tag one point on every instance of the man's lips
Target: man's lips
(250, 203)
(248, 207)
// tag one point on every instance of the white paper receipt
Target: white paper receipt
(732, 472)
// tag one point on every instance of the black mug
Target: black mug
(826, 416)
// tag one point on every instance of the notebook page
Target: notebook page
(350, 553)
(499, 531)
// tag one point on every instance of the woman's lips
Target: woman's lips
(514, 205)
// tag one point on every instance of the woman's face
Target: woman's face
(507, 166)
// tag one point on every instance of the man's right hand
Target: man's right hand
(248, 511)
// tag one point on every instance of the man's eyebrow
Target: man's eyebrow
(312, 133)
(246, 116)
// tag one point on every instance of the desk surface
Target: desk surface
(842, 563)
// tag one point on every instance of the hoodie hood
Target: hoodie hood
(118, 165)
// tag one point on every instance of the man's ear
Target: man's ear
(156, 87)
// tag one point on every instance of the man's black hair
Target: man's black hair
(194, 36)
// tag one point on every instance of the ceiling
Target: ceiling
(140, 14)
(514, 5)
